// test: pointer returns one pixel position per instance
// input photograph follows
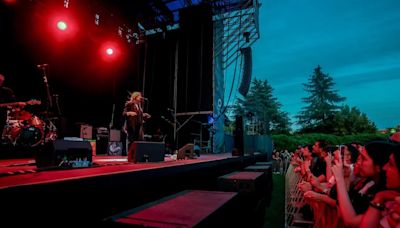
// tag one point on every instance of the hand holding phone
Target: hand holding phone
(342, 148)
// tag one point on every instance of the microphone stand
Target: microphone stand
(111, 125)
(46, 83)
(57, 104)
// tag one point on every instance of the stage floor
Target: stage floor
(20, 172)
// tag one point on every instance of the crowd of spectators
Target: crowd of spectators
(349, 185)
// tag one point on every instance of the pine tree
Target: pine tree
(261, 106)
(322, 103)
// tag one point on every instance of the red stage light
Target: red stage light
(10, 2)
(62, 25)
(109, 51)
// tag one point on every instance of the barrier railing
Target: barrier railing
(294, 200)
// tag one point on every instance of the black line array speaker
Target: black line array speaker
(246, 71)
(65, 154)
(143, 151)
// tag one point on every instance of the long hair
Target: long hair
(132, 96)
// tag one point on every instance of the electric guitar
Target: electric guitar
(12, 104)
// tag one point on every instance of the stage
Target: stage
(110, 186)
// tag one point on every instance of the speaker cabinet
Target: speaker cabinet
(101, 144)
(238, 136)
(115, 135)
(86, 131)
(141, 151)
(65, 154)
(247, 71)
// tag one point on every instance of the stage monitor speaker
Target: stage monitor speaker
(238, 137)
(142, 151)
(246, 71)
(65, 154)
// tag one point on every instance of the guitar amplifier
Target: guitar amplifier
(86, 131)
(102, 136)
(115, 135)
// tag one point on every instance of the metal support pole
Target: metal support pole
(144, 69)
(175, 102)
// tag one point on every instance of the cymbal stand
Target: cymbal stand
(50, 102)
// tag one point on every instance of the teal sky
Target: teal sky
(357, 42)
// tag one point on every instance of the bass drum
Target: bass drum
(30, 136)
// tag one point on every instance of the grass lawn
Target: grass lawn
(275, 213)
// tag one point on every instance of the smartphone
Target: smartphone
(341, 149)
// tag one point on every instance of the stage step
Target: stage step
(252, 190)
(190, 208)
(243, 182)
(267, 169)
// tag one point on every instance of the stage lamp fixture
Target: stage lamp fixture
(62, 25)
(109, 51)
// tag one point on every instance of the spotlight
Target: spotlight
(10, 2)
(61, 25)
(109, 51)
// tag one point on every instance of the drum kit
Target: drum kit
(25, 129)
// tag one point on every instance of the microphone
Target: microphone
(143, 98)
(169, 109)
(42, 65)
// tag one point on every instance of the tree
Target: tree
(350, 121)
(260, 106)
(322, 103)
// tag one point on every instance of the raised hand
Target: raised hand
(337, 169)
(311, 195)
(386, 195)
(394, 214)
(304, 186)
(328, 159)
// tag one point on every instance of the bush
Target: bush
(290, 142)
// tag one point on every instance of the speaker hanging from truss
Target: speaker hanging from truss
(246, 71)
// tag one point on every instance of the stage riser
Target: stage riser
(212, 209)
(95, 198)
